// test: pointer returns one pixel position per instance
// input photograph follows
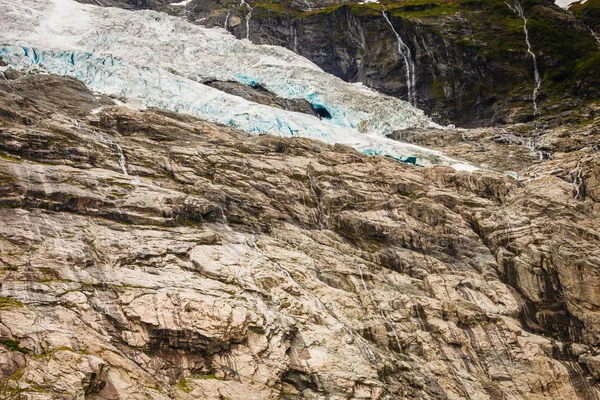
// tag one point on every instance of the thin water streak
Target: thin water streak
(295, 40)
(404, 50)
(518, 9)
(122, 161)
(248, 16)
(594, 35)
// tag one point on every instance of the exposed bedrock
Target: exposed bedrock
(230, 266)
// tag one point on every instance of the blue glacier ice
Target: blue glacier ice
(162, 61)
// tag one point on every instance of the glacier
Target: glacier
(162, 61)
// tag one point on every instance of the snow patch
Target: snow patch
(566, 3)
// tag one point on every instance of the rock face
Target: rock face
(150, 255)
(259, 94)
(589, 12)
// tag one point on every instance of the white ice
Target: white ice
(567, 3)
(162, 61)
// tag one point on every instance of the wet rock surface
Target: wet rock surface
(146, 254)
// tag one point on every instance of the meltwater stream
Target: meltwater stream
(162, 61)
(404, 50)
(594, 35)
(518, 9)
(248, 16)
(121, 156)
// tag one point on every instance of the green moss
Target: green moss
(11, 390)
(321, 11)
(586, 73)
(587, 64)
(46, 354)
(5, 156)
(437, 90)
(421, 10)
(273, 9)
(13, 345)
(574, 55)
(366, 10)
(183, 385)
(588, 11)
(465, 42)
(121, 184)
(7, 302)
(561, 42)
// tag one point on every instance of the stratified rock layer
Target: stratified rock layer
(152, 255)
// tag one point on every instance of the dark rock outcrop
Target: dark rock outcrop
(259, 94)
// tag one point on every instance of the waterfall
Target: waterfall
(295, 40)
(122, 163)
(595, 35)
(518, 9)
(248, 24)
(577, 181)
(248, 16)
(308, 5)
(404, 50)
